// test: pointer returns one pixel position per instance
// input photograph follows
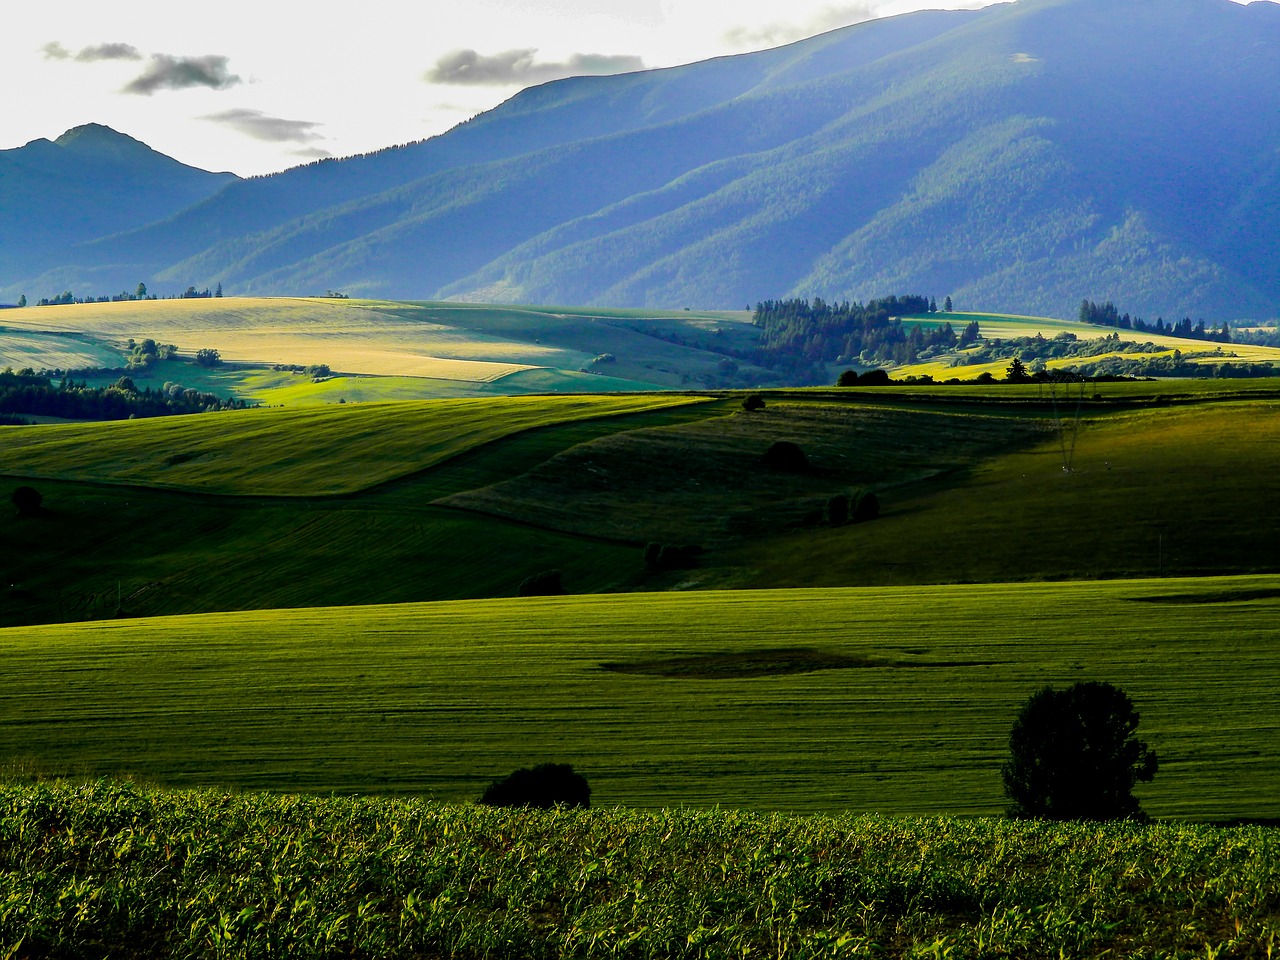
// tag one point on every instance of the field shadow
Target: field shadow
(777, 662)
(1213, 596)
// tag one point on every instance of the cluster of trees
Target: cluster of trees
(27, 393)
(139, 294)
(1106, 315)
(146, 354)
(815, 330)
(317, 371)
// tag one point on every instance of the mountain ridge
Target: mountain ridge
(1020, 157)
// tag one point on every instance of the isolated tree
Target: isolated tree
(785, 455)
(1016, 371)
(544, 786)
(208, 357)
(545, 584)
(141, 292)
(218, 292)
(752, 402)
(22, 300)
(946, 305)
(27, 500)
(1073, 755)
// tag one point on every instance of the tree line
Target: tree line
(816, 331)
(1106, 315)
(34, 395)
(67, 297)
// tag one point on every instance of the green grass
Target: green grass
(161, 551)
(291, 452)
(113, 870)
(468, 345)
(1164, 489)
(438, 699)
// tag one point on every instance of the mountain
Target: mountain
(1021, 158)
(91, 182)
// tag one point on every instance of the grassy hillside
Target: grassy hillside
(446, 347)
(889, 699)
(109, 868)
(1167, 478)
(287, 452)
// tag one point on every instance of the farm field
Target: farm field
(449, 347)
(1156, 490)
(288, 452)
(971, 489)
(114, 868)
(891, 700)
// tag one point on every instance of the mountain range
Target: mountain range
(1018, 158)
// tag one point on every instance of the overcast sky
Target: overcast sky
(255, 86)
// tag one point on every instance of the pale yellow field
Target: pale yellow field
(1006, 327)
(352, 336)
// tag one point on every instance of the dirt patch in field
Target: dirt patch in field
(732, 666)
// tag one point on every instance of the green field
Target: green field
(288, 452)
(114, 870)
(895, 700)
(432, 349)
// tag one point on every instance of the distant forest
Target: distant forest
(816, 331)
(28, 393)
(1106, 315)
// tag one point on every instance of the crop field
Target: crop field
(460, 343)
(862, 700)
(704, 482)
(291, 452)
(117, 870)
(1151, 491)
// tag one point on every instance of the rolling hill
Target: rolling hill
(1022, 157)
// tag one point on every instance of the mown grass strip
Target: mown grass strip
(112, 870)
(438, 699)
(293, 452)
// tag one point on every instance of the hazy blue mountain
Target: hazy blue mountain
(1020, 158)
(91, 182)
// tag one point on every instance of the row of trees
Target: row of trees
(815, 331)
(139, 294)
(26, 393)
(1106, 315)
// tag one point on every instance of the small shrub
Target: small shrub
(838, 510)
(545, 584)
(27, 500)
(866, 506)
(752, 402)
(785, 455)
(546, 785)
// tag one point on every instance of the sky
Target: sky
(256, 86)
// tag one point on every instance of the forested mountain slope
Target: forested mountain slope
(1019, 157)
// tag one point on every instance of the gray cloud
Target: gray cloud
(256, 124)
(467, 67)
(165, 72)
(53, 50)
(109, 51)
(828, 18)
